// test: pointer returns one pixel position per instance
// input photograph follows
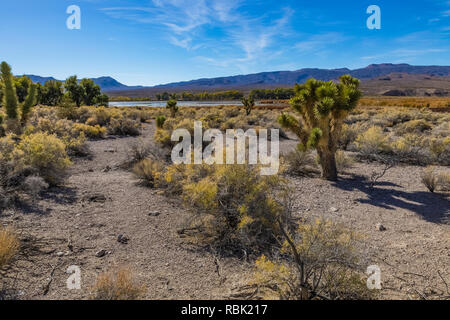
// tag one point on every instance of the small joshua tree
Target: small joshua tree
(9, 92)
(29, 102)
(248, 103)
(172, 106)
(323, 106)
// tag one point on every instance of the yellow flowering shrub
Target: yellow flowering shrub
(44, 153)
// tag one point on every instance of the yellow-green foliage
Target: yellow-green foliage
(117, 285)
(315, 264)
(373, 141)
(9, 246)
(44, 153)
(231, 203)
(74, 138)
(93, 132)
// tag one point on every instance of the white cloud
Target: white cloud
(248, 38)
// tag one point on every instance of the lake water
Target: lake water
(162, 104)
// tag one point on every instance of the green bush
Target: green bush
(44, 153)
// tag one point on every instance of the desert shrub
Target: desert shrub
(348, 136)
(163, 138)
(138, 151)
(373, 141)
(99, 117)
(149, 172)
(123, 127)
(117, 285)
(343, 161)
(440, 149)
(44, 153)
(444, 181)
(430, 179)
(232, 205)
(300, 163)
(9, 246)
(73, 137)
(35, 185)
(411, 148)
(93, 132)
(414, 126)
(160, 121)
(318, 261)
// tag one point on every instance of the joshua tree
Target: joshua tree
(172, 106)
(248, 105)
(9, 92)
(323, 106)
(10, 100)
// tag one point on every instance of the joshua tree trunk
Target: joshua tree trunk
(328, 164)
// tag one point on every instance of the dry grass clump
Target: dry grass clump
(318, 261)
(434, 180)
(343, 161)
(9, 246)
(117, 285)
(149, 172)
(430, 179)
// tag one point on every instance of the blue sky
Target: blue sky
(149, 42)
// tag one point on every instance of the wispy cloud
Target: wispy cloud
(320, 41)
(187, 23)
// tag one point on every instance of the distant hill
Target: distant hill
(106, 83)
(410, 80)
(280, 79)
(404, 84)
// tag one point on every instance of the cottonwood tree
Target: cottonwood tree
(74, 90)
(322, 107)
(91, 91)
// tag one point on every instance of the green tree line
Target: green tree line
(52, 92)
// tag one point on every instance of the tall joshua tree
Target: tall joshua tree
(322, 106)
(9, 92)
(10, 100)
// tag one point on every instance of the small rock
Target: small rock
(380, 227)
(154, 214)
(111, 150)
(100, 253)
(107, 169)
(122, 239)
(333, 209)
(59, 254)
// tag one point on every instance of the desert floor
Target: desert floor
(102, 201)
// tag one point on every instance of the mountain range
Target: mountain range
(106, 83)
(411, 79)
